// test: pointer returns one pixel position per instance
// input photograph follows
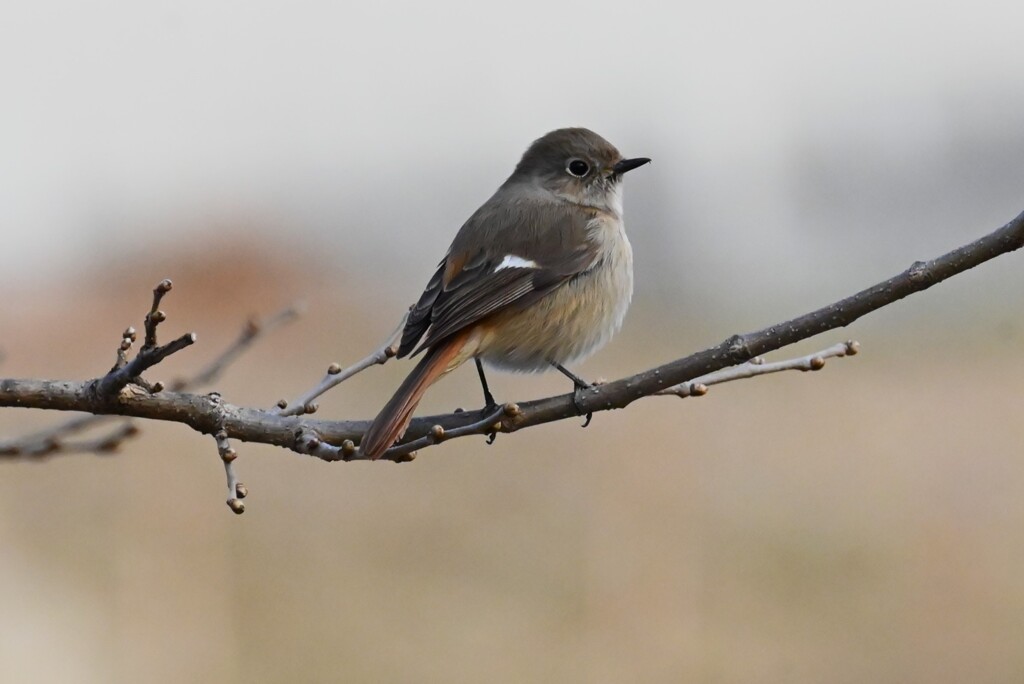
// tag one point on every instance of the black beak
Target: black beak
(628, 165)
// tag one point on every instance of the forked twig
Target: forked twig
(55, 440)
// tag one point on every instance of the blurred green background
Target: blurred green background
(859, 524)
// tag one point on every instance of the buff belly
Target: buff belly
(569, 323)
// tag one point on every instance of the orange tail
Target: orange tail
(393, 419)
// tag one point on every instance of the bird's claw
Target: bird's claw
(487, 410)
(579, 408)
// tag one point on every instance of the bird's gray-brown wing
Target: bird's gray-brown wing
(477, 278)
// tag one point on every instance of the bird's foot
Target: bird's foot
(580, 386)
(490, 406)
(576, 401)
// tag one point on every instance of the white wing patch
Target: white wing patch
(513, 261)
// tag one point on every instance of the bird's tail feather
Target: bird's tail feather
(392, 421)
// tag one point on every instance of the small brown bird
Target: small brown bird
(539, 276)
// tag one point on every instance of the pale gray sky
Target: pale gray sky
(787, 137)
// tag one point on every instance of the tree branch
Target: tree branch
(54, 440)
(210, 415)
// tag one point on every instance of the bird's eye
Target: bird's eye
(578, 168)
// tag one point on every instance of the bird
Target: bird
(539, 277)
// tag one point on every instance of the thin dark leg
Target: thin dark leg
(580, 385)
(576, 380)
(489, 403)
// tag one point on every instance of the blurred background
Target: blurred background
(864, 523)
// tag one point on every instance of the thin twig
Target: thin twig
(253, 329)
(103, 444)
(155, 316)
(45, 441)
(52, 441)
(308, 442)
(698, 387)
(337, 375)
(116, 380)
(236, 490)
(492, 423)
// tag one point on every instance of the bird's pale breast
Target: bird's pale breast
(573, 321)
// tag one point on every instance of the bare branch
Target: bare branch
(45, 441)
(337, 375)
(55, 439)
(104, 444)
(236, 490)
(149, 355)
(253, 329)
(208, 415)
(155, 316)
(698, 387)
